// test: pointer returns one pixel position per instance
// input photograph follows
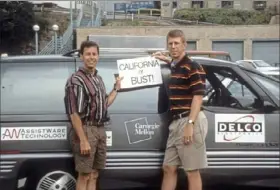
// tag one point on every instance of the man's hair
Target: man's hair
(175, 34)
(88, 44)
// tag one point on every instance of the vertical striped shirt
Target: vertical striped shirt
(187, 80)
(85, 94)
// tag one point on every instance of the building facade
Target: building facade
(234, 4)
(167, 6)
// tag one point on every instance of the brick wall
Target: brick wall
(202, 34)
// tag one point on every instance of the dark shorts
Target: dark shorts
(96, 160)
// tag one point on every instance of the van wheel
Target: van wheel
(55, 179)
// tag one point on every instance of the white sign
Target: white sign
(138, 130)
(109, 138)
(33, 133)
(239, 128)
(143, 71)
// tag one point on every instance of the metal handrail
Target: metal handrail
(97, 22)
(65, 39)
(48, 49)
(80, 17)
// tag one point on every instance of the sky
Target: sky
(64, 4)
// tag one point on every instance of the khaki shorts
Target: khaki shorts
(190, 157)
(97, 158)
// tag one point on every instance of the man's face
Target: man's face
(90, 57)
(176, 47)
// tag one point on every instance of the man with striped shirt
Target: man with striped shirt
(86, 104)
(188, 129)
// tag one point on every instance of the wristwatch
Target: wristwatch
(191, 121)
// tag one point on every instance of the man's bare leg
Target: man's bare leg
(82, 181)
(194, 180)
(169, 178)
(91, 185)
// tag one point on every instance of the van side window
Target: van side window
(238, 90)
(231, 91)
(34, 88)
(141, 100)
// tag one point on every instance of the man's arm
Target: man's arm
(111, 97)
(75, 102)
(197, 78)
(195, 107)
(77, 124)
(162, 56)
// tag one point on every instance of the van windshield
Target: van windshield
(270, 85)
(261, 63)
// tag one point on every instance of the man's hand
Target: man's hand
(159, 55)
(85, 147)
(188, 134)
(118, 83)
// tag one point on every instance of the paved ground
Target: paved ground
(113, 185)
(221, 187)
(218, 188)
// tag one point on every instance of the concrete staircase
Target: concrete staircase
(85, 21)
(275, 20)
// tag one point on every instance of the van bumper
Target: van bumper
(7, 183)
(10, 173)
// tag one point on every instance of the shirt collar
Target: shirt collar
(86, 71)
(176, 63)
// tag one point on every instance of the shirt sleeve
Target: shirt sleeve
(104, 89)
(74, 98)
(197, 79)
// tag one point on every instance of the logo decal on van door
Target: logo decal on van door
(240, 128)
(139, 130)
(33, 133)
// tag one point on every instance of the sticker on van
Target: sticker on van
(109, 140)
(33, 133)
(139, 130)
(241, 128)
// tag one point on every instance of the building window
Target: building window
(227, 4)
(197, 4)
(259, 5)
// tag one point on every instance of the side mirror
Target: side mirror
(268, 107)
(205, 98)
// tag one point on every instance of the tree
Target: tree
(16, 22)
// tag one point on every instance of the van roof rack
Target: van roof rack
(76, 52)
(132, 49)
(145, 50)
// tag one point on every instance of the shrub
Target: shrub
(224, 16)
